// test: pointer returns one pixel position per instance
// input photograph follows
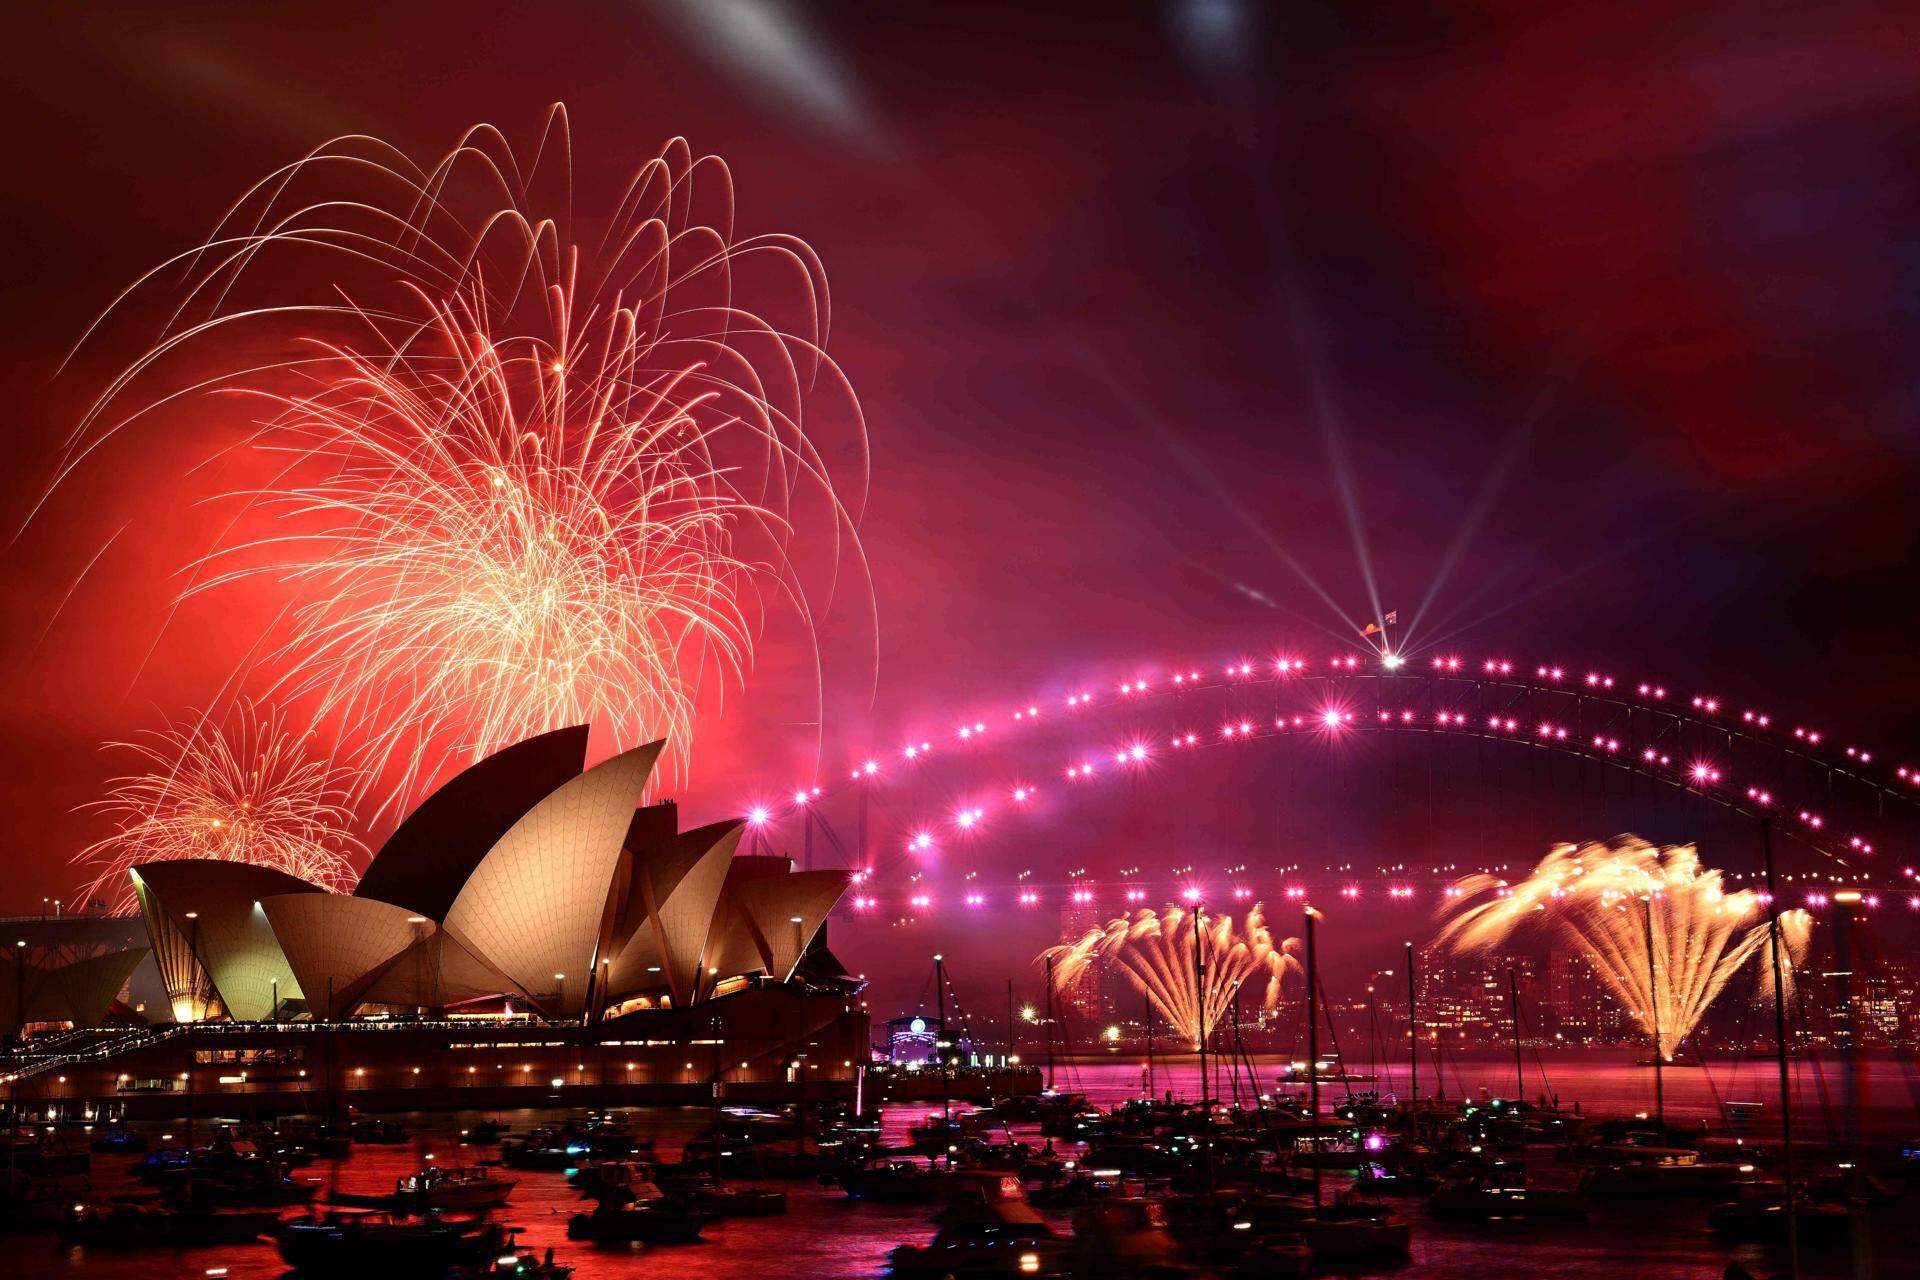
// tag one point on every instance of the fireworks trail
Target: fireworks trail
(1661, 930)
(518, 483)
(1155, 951)
(245, 792)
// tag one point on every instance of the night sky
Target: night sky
(1584, 336)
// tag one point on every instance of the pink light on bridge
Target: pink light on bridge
(1029, 898)
(758, 817)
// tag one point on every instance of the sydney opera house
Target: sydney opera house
(529, 930)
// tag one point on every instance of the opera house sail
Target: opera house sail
(529, 891)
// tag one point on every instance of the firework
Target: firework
(1661, 930)
(1155, 950)
(248, 791)
(521, 479)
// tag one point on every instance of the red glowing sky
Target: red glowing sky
(1124, 301)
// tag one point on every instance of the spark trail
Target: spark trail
(247, 791)
(1155, 950)
(1660, 929)
(519, 474)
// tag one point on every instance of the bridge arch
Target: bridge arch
(1843, 802)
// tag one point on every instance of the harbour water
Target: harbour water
(827, 1235)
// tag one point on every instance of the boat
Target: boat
(738, 1202)
(1483, 1198)
(1765, 1221)
(1662, 1171)
(37, 1154)
(436, 1189)
(515, 1263)
(378, 1133)
(605, 1175)
(259, 1184)
(1341, 1150)
(378, 1244)
(890, 1181)
(1031, 1107)
(647, 1221)
(976, 1153)
(1352, 1231)
(1126, 1234)
(169, 1163)
(484, 1133)
(934, 1132)
(546, 1148)
(128, 1224)
(119, 1141)
(1078, 1186)
(328, 1141)
(710, 1195)
(1329, 1071)
(998, 1237)
(29, 1200)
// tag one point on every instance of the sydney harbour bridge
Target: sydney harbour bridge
(1840, 813)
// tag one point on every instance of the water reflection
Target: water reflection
(827, 1235)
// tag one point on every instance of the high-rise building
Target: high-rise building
(1080, 1002)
